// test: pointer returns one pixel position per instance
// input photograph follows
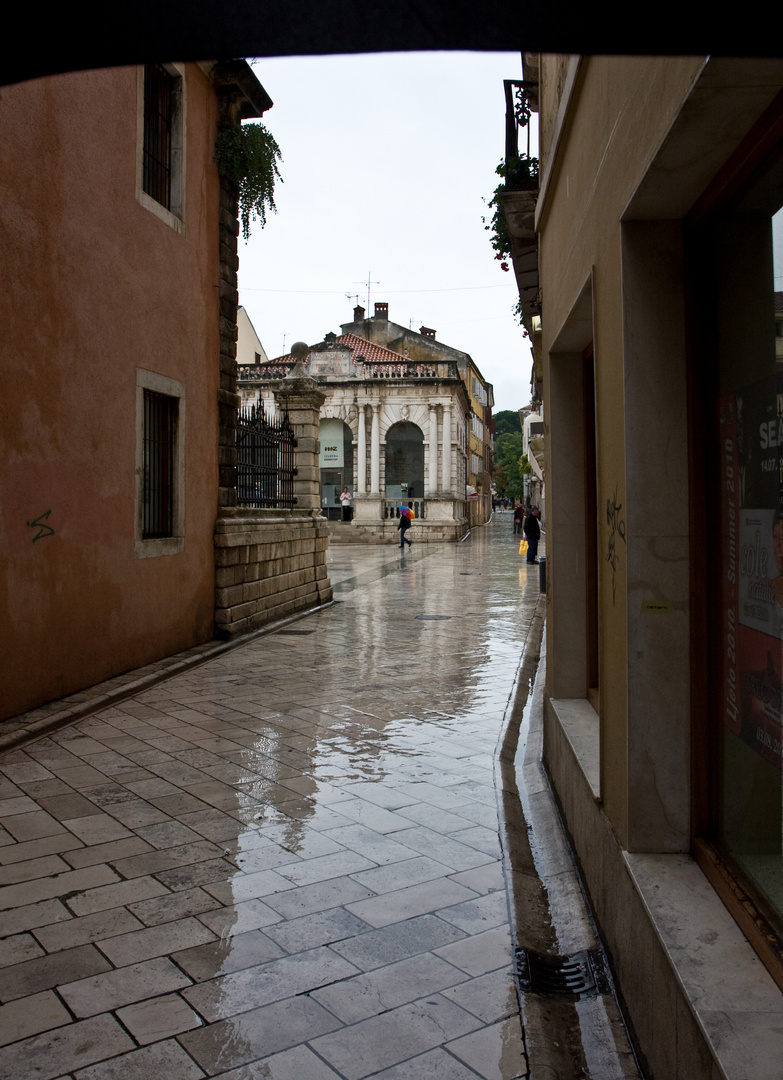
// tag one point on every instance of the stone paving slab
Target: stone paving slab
(282, 862)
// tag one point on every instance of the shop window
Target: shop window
(591, 528)
(336, 465)
(737, 273)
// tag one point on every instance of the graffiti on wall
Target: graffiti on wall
(616, 527)
(40, 524)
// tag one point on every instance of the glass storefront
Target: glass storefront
(741, 274)
(336, 462)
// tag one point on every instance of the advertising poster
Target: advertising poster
(761, 571)
(751, 427)
(760, 663)
(759, 442)
(330, 434)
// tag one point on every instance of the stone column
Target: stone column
(432, 485)
(375, 451)
(361, 454)
(446, 451)
(299, 394)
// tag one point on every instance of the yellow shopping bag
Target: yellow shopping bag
(523, 546)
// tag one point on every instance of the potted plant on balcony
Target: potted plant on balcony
(512, 225)
(513, 206)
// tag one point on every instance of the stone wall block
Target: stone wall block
(268, 563)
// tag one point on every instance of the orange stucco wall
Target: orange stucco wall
(92, 287)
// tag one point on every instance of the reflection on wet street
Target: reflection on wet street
(285, 862)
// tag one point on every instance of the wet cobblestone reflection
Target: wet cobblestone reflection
(284, 863)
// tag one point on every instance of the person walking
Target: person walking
(519, 517)
(532, 531)
(347, 503)
(403, 526)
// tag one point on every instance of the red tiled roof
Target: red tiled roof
(359, 347)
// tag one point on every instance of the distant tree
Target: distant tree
(507, 420)
(500, 479)
(511, 465)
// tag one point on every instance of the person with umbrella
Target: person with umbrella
(406, 516)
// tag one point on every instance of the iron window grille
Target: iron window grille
(158, 121)
(160, 421)
(265, 459)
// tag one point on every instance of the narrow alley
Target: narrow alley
(299, 860)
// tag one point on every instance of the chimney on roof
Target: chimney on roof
(358, 313)
(427, 331)
(381, 311)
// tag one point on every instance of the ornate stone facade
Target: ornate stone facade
(393, 430)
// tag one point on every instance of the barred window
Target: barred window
(158, 124)
(160, 141)
(160, 465)
(160, 419)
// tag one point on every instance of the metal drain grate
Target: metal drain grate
(433, 618)
(562, 976)
(296, 633)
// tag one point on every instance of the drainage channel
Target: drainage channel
(572, 1023)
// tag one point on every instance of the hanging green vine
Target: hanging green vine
(247, 156)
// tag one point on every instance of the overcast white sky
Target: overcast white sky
(386, 161)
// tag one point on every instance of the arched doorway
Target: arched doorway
(404, 462)
(336, 461)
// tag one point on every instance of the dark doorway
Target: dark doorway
(404, 462)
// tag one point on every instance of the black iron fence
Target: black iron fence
(265, 459)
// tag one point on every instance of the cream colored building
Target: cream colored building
(659, 221)
(249, 347)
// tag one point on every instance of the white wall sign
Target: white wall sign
(330, 434)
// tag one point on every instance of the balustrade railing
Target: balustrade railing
(410, 369)
(391, 507)
(404, 369)
(262, 372)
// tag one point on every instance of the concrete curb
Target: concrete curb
(548, 909)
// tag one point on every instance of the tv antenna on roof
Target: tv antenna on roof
(352, 296)
(368, 283)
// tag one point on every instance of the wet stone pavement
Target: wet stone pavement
(285, 862)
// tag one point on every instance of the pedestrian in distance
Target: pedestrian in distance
(403, 526)
(532, 531)
(347, 503)
(519, 517)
